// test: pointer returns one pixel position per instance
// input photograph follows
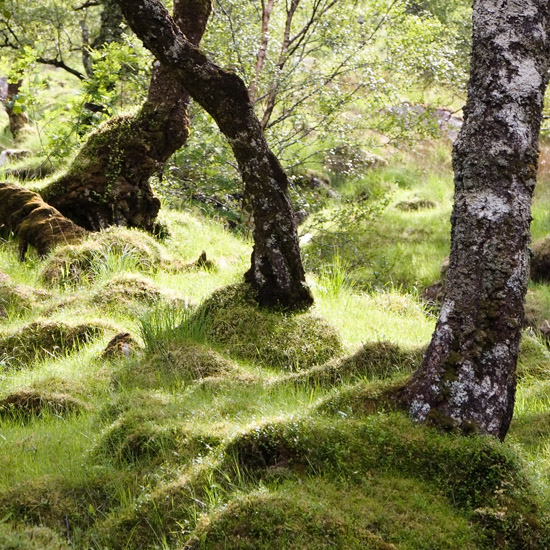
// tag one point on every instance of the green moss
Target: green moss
(179, 363)
(374, 360)
(19, 298)
(377, 513)
(30, 538)
(42, 339)
(471, 469)
(143, 433)
(237, 324)
(363, 399)
(534, 357)
(127, 293)
(28, 403)
(112, 250)
(264, 520)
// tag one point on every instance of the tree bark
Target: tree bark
(467, 379)
(108, 181)
(276, 272)
(110, 29)
(19, 121)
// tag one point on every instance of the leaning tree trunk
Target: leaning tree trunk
(467, 379)
(277, 272)
(108, 181)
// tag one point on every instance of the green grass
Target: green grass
(232, 427)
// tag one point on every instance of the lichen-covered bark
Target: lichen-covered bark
(467, 379)
(108, 181)
(276, 272)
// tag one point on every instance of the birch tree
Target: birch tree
(468, 376)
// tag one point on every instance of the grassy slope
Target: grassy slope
(212, 434)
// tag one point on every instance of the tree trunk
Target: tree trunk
(19, 121)
(110, 29)
(467, 379)
(35, 223)
(277, 272)
(108, 181)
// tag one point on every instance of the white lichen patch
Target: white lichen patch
(526, 80)
(419, 410)
(485, 204)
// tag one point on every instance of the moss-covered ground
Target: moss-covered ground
(211, 424)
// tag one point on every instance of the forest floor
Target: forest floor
(147, 402)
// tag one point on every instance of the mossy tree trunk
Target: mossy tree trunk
(276, 272)
(108, 181)
(467, 379)
(18, 120)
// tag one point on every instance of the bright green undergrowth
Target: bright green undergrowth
(226, 426)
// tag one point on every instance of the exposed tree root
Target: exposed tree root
(35, 222)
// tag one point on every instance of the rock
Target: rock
(122, 345)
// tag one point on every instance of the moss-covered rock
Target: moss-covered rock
(107, 250)
(29, 403)
(42, 339)
(236, 323)
(121, 345)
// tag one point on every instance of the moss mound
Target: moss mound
(235, 322)
(42, 339)
(113, 248)
(540, 261)
(534, 357)
(374, 360)
(145, 435)
(180, 363)
(31, 538)
(363, 399)
(127, 293)
(18, 297)
(265, 520)
(28, 403)
(472, 469)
